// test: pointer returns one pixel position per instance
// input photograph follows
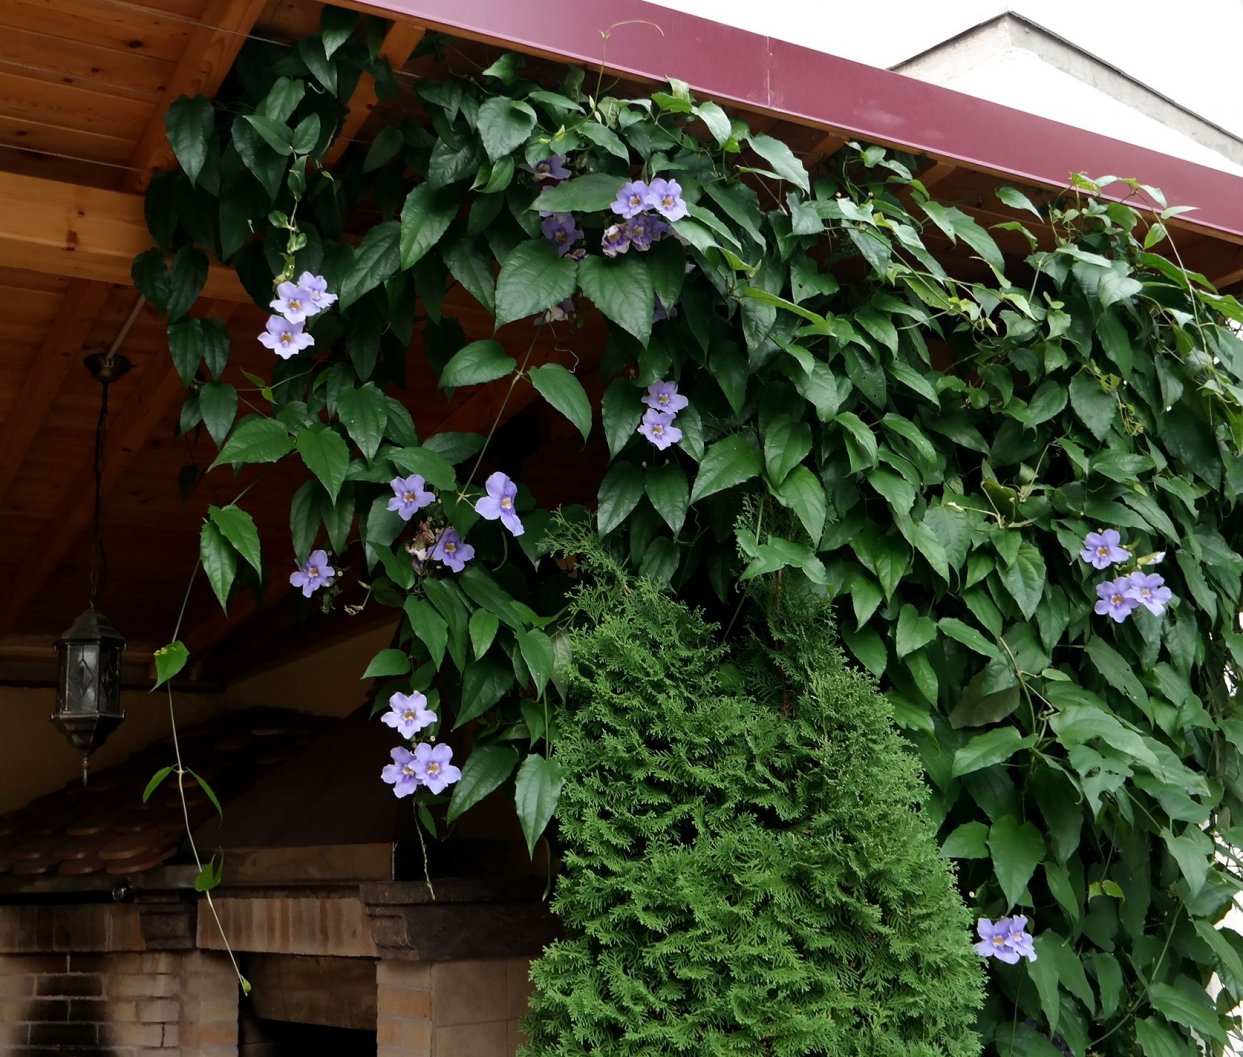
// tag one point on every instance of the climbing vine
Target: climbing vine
(1013, 473)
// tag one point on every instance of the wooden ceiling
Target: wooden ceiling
(83, 89)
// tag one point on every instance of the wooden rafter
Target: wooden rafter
(399, 44)
(207, 59)
(65, 229)
(157, 391)
(52, 363)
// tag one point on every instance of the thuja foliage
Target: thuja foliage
(745, 868)
(880, 402)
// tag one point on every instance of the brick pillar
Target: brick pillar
(207, 990)
(403, 1009)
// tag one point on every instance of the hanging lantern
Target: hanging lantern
(88, 655)
(88, 682)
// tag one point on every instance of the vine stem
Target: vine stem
(521, 372)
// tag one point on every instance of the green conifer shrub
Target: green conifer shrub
(746, 868)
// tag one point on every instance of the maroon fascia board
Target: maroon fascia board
(825, 91)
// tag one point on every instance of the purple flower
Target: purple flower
(499, 503)
(615, 240)
(314, 573)
(664, 396)
(1148, 590)
(658, 427)
(284, 338)
(1005, 939)
(561, 230)
(1115, 601)
(400, 774)
(658, 228)
(316, 289)
(431, 764)
(665, 196)
(631, 199)
(408, 714)
(409, 496)
(556, 314)
(294, 303)
(640, 231)
(452, 551)
(1101, 549)
(551, 168)
(660, 313)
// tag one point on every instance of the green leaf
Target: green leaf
(156, 781)
(374, 261)
(218, 404)
(1157, 1040)
(958, 225)
(533, 278)
(485, 770)
(1117, 286)
(969, 637)
(1193, 851)
(536, 793)
(189, 124)
(622, 289)
(1017, 200)
(716, 120)
(804, 494)
(504, 124)
(1192, 1011)
(984, 750)
(787, 442)
(388, 662)
(335, 28)
(388, 141)
(479, 362)
(1095, 407)
(863, 452)
(185, 281)
(425, 218)
(538, 654)
(621, 411)
(185, 344)
(582, 194)
(219, 562)
(482, 627)
(276, 134)
(867, 647)
(471, 266)
(435, 469)
(781, 159)
(565, 392)
(364, 414)
(429, 627)
(169, 660)
(1016, 849)
(305, 134)
(239, 529)
(727, 463)
(620, 492)
(484, 683)
(669, 493)
(1025, 578)
(913, 631)
(327, 456)
(968, 841)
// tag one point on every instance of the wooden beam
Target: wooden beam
(334, 992)
(85, 232)
(56, 357)
(399, 44)
(147, 403)
(202, 67)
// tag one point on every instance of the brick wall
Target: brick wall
(120, 1005)
(450, 1009)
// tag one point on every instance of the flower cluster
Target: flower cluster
(562, 230)
(313, 574)
(1118, 597)
(663, 404)
(641, 228)
(285, 334)
(1005, 939)
(428, 765)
